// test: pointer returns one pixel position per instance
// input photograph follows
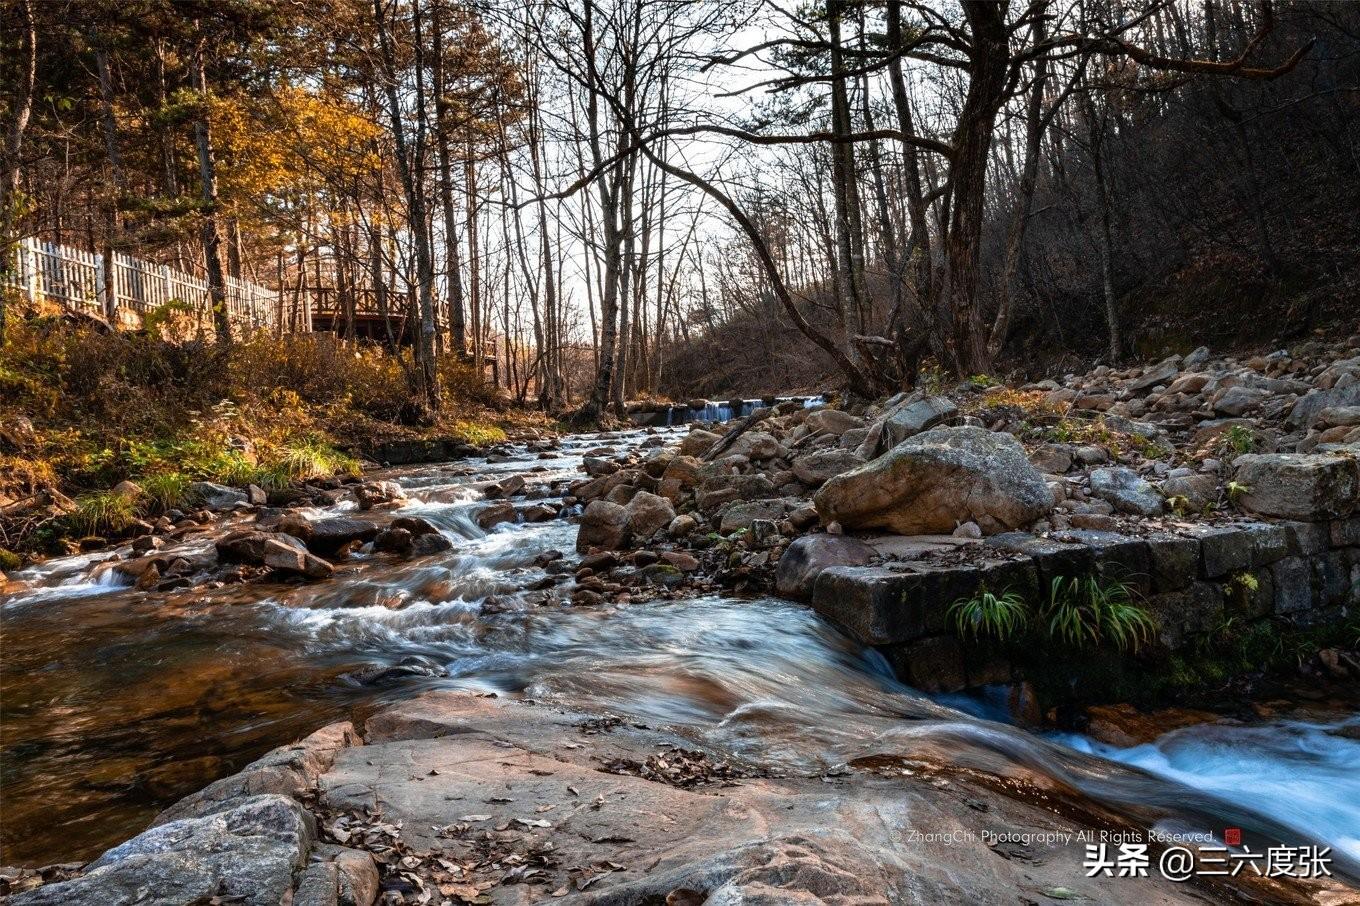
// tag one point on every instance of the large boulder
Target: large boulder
(820, 466)
(603, 525)
(937, 480)
(1306, 486)
(648, 514)
(806, 557)
(913, 417)
(245, 854)
(1126, 491)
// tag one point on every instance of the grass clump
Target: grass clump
(987, 615)
(1089, 611)
(166, 491)
(1237, 439)
(479, 434)
(102, 513)
(307, 459)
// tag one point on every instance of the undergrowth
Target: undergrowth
(267, 411)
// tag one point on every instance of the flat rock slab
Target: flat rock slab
(531, 779)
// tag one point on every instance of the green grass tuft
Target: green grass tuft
(986, 615)
(1086, 612)
(102, 512)
(166, 491)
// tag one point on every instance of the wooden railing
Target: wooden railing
(75, 279)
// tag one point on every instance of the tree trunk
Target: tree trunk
(209, 232)
(115, 159)
(14, 141)
(987, 67)
(1029, 172)
(408, 160)
(457, 304)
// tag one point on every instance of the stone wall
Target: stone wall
(1308, 572)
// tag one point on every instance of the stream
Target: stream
(115, 702)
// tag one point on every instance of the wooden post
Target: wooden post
(34, 284)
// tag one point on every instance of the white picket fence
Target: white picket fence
(75, 278)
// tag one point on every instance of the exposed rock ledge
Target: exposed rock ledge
(455, 797)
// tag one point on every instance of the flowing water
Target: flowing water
(116, 702)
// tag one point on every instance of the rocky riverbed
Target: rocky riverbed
(616, 713)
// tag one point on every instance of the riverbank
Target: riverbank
(104, 434)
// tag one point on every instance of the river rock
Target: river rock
(1199, 491)
(930, 483)
(424, 545)
(216, 497)
(684, 470)
(1052, 459)
(393, 541)
(248, 546)
(1239, 400)
(128, 490)
(378, 493)
(416, 525)
(739, 516)
(603, 525)
(508, 486)
(488, 517)
(327, 536)
(1306, 486)
(788, 840)
(820, 466)
(294, 558)
(244, 854)
(1338, 417)
(647, 514)
(755, 445)
(682, 526)
(698, 442)
(596, 466)
(831, 421)
(807, 556)
(913, 417)
(1157, 374)
(1127, 491)
(1313, 403)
